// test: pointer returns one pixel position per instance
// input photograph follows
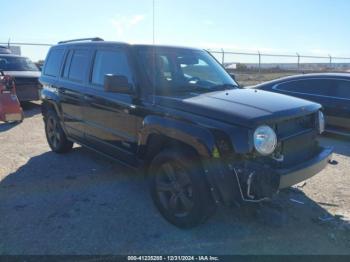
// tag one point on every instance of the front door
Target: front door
(110, 123)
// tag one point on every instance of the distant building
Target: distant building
(231, 66)
(15, 49)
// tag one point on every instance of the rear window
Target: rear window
(342, 89)
(17, 63)
(78, 65)
(53, 63)
(308, 86)
(67, 64)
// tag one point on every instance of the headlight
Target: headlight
(321, 122)
(265, 140)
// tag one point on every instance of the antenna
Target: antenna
(154, 54)
(153, 20)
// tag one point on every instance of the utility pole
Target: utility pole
(298, 62)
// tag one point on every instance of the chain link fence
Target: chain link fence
(253, 68)
(249, 68)
(35, 51)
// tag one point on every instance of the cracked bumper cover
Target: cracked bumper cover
(301, 172)
(267, 180)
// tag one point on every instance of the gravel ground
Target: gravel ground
(81, 203)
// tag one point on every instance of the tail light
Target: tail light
(6, 84)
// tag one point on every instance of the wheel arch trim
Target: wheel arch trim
(201, 139)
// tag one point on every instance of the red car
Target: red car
(10, 108)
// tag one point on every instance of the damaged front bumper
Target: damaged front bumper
(297, 174)
(252, 181)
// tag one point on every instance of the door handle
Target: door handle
(88, 98)
(342, 107)
(62, 91)
(127, 110)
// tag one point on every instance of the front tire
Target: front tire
(55, 135)
(179, 189)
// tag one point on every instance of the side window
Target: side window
(164, 67)
(341, 89)
(67, 64)
(109, 62)
(308, 86)
(53, 63)
(199, 69)
(78, 65)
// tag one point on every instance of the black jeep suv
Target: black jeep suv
(176, 112)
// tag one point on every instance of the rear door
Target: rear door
(51, 72)
(340, 106)
(110, 117)
(71, 89)
(314, 89)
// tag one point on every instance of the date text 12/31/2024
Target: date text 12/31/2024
(173, 258)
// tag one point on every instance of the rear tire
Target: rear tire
(179, 188)
(55, 135)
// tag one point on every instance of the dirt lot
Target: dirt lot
(81, 203)
(249, 78)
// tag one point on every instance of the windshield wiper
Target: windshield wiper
(224, 86)
(197, 88)
(191, 88)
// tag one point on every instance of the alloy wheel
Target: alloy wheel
(174, 189)
(53, 132)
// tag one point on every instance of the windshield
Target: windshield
(14, 63)
(174, 70)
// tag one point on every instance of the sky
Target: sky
(310, 27)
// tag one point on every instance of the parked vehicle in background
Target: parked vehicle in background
(10, 108)
(4, 50)
(176, 112)
(331, 90)
(25, 73)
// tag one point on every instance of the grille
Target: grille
(27, 88)
(296, 126)
(298, 139)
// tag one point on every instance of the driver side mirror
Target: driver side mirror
(116, 84)
(234, 79)
(232, 76)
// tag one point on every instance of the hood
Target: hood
(33, 74)
(246, 107)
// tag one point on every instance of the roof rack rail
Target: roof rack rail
(81, 39)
